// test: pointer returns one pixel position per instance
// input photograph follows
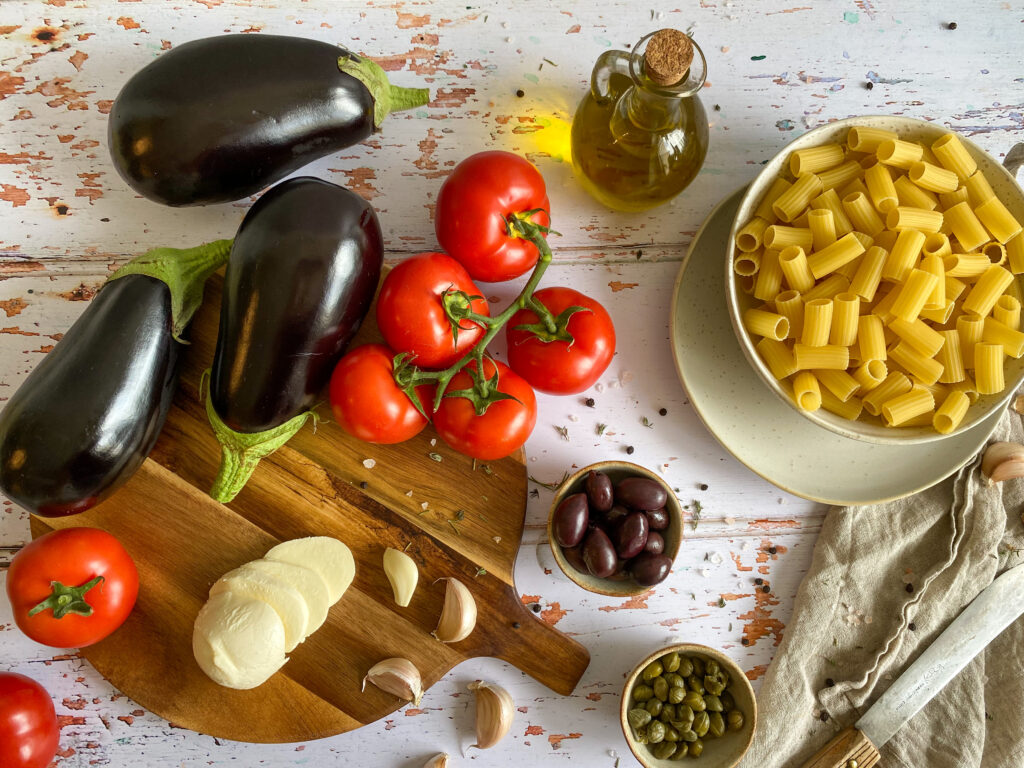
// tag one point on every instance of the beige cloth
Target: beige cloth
(851, 624)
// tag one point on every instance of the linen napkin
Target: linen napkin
(885, 580)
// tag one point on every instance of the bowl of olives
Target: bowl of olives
(615, 528)
(688, 701)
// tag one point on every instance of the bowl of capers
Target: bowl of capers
(688, 701)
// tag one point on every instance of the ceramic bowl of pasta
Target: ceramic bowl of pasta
(873, 279)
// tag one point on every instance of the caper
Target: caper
(668, 713)
(694, 701)
(664, 750)
(724, 677)
(688, 735)
(660, 686)
(685, 667)
(671, 734)
(655, 732)
(638, 718)
(711, 668)
(694, 683)
(728, 703)
(701, 723)
(716, 725)
(652, 670)
(735, 720)
(713, 685)
(675, 680)
(653, 706)
(682, 748)
(670, 661)
(675, 695)
(643, 693)
(698, 666)
(641, 736)
(697, 748)
(683, 712)
(712, 703)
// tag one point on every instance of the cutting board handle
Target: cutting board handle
(541, 651)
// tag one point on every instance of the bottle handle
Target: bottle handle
(608, 63)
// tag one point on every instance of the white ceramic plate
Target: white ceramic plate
(761, 430)
(910, 129)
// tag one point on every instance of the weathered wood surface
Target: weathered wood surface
(62, 228)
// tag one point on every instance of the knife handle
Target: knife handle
(850, 749)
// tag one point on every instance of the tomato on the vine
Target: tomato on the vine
(368, 404)
(72, 587)
(29, 733)
(411, 310)
(501, 429)
(472, 210)
(555, 366)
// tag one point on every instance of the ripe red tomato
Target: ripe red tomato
(73, 557)
(502, 429)
(29, 733)
(558, 367)
(472, 206)
(411, 316)
(368, 404)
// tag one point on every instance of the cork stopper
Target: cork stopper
(668, 56)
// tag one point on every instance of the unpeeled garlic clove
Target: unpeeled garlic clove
(494, 712)
(1002, 461)
(458, 617)
(437, 761)
(398, 677)
(403, 574)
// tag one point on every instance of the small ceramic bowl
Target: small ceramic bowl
(1006, 188)
(616, 471)
(723, 752)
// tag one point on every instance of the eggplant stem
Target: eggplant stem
(387, 98)
(241, 452)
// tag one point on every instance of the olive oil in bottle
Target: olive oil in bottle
(640, 135)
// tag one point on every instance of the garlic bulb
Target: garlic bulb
(403, 574)
(437, 761)
(458, 617)
(494, 712)
(1003, 461)
(398, 677)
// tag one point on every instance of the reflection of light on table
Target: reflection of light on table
(550, 135)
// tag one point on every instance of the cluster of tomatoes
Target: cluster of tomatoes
(492, 213)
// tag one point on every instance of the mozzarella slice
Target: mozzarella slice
(326, 555)
(238, 641)
(307, 581)
(275, 592)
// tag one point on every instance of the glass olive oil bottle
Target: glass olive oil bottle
(640, 135)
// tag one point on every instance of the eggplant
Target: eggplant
(219, 119)
(303, 271)
(88, 415)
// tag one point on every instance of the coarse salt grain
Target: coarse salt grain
(369, 463)
(409, 494)
(573, 417)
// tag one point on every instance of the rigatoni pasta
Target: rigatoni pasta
(890, 279)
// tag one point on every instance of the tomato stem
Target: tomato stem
(64, 599)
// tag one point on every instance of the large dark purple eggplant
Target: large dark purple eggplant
(221, 118)
(302, 273)
(89, 413)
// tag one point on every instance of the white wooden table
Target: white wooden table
(775, 70)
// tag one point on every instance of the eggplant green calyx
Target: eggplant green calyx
(543, 332)
(184, 271)
(387, 98)
(484, 391)
(64, 600)
(240, 452)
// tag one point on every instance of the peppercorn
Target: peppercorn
(536, 607)
(703, 486)
(589, 402)
(759, 581)
(824, 717)
(912, 627)
(910, 587)
(364, 485)
(766, 589)
(745, 641)
(516, 625)
(520, 93)
(630, 449)
(829, 682)
(773, 550)
(951, 25)
(663, 411)
(869, 85)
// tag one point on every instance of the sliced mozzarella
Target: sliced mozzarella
(307, 581)
(238, 641)
(275, 592)
(326, 555)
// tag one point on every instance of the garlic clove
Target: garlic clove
(1018, 404)
(398, 677)
(1003, 461)
(437, 761)
(458, 617)
(494, 712)
(403, 574)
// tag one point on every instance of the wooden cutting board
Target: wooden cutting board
(456, 520)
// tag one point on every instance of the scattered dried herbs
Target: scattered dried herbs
(436, 456)
(600, 429)
(550, 486)
(563, 432)
(698, 510)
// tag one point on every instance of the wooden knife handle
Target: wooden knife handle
(850, 749)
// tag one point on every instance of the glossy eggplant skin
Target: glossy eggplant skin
(221, 118)
(89, 413)
(303, 271)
